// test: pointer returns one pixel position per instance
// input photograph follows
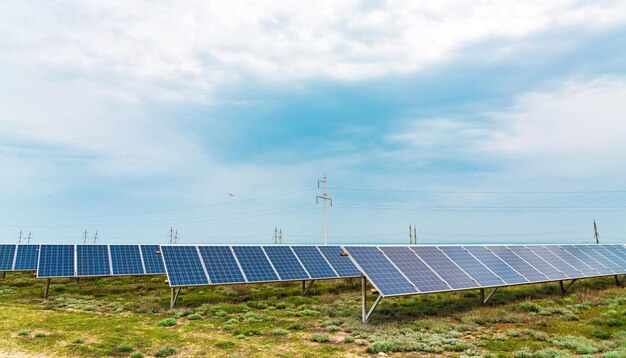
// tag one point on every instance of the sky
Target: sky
(474, 121)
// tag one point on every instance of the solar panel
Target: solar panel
(555, 261)
(496, 265)
(518, 264)
(26, 257)
(56, 261)
(572, 260)
(184, 267)
(255, 264)
(620, 248)
(615, 251)
(286, 263)
(221, 265)
(7, 255)
(446, 269)
(342, 264)
(425, 279)
(601, 259)
(126, 260)
(315, 264)
(92, 260)
(610, 255)
(152, 261)
(538, 263)
(381, 272)
(597, 267)
(472, 266)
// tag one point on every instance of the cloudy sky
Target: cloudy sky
(476, 121)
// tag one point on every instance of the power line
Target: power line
(480, 192)
(507, 209)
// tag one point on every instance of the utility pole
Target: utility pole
(28, 238)
(171, 236)
(595, 229)
(415, 235)
(85, 237)
(19, 240)
(176, 237)
(278, 235)
(95, 237)
(410, 235)
(324, 197)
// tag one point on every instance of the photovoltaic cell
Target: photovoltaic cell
(151, 260)
(597, 267)
(495, 264)
(446, 269)
(184, 267)
(220, 264)
(7, 254)
(126, 260)
(538, 263)
(472, 266)
(92, 260)
(611, 256)
(286, 263)
(255, 264)
(615, 251)
(414, 269)
(518, 264)
(314, 262)
(26, 259)
(614, 268)
(621, 249)
(341, 264)
(556, 261)
(56, 261)
(387, 279)
(571, 260)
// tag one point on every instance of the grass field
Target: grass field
(129, 317)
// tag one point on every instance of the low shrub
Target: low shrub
(320, 338)
(125, 347)
(165, 352)
(224, 344)
(600, 334)
(168, 322)
(279, 331)
(136, 355)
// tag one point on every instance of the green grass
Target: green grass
(129, 316)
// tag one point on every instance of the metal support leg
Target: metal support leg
(174, 296)
(364, 313)
(482, 295)
(4, 274)
(617, 283)
(564, 288)
(486, 299)
(45, 292)
(305, 289)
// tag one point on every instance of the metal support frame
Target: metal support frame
(4, 274)
(45, 292)
(305, 289)
(618, 282)
(364, 312)
(486, 299)
(564, 288)
(174, 296)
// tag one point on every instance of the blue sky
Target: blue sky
(477, 122)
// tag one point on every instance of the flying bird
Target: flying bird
(231, 194)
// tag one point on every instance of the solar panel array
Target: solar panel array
(196, 265)
(408, 270)
(91, 260)
(18, 257)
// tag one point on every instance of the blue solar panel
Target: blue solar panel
(610, 255)
(555, 261)
(572, 261)
(315, 264)
(597, 267)
(518, 264)
(472, 266)
(184, 267)
(221, 265)
(7, 254)
(342, 264)
(383, 275)
(152, 260)
(92, 260)
(601, 259)
(255, 264)
(495, 264)
(56, 261)
(615, 251)
(446, 269)
(620, 248)
(286, 263)
(26, 258)
(425, 279)
(126, 260)
(537, 262)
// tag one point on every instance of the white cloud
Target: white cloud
(174, 50)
